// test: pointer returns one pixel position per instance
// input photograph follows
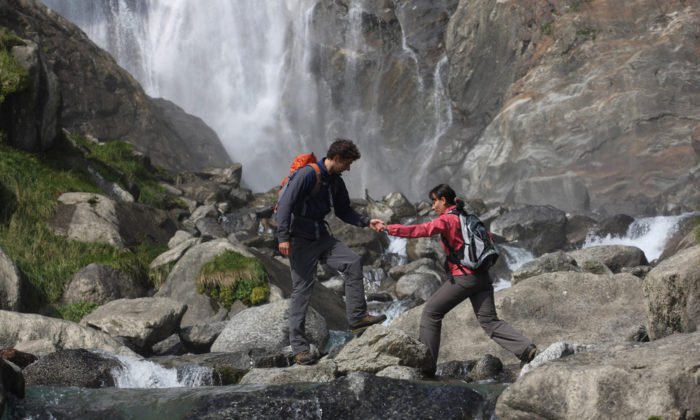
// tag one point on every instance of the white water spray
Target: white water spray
(650, 234)
(135, 373)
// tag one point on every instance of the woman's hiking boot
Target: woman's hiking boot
(359, 326)
(529, 354)
(305, 358)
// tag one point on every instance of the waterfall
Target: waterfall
(267, 78)
(649, 234)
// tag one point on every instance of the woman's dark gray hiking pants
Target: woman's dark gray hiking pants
(479, 290)
(304, 258)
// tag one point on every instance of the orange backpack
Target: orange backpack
(300, 161)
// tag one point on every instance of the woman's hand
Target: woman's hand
(377, 225)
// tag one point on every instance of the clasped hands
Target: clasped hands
(377, 225)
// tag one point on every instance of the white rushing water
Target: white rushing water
(650, 234)
(137, 373)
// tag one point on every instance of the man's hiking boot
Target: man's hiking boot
(359, 326)
(529, 354)
(305, 358)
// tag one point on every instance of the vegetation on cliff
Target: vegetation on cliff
(29, 187)
(13, 77)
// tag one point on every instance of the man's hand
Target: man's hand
(284, 248)
(377, 225)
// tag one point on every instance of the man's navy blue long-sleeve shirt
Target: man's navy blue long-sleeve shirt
(301, 213)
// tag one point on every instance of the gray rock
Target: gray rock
(10, 284)
(200, 337)
(39, 334)
(615, 257)
(181, 284)
(324, 371)
(400, 372)
(267, 326)
(398, 271)
(614, 226)
(620, 381)
(78, 367)
(209, 228)
(380, 347)
(419, 248)
(538, 228)
(87, 217)
(100, 284)
(178, 238)
(672, 291)
(417, 285)
(577, 307)
(175, 252)
(547, 263)
(555, 351)
(170, 346)
(140, 322)
(487, 367)
(400, 207)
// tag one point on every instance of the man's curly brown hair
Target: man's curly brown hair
(344, 149)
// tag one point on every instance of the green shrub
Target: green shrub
(232, 276)
(76, 311)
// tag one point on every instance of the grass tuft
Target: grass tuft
(232, 276)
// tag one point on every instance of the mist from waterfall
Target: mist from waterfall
(247, 69)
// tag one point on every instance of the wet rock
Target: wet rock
(77, 367)
(538, 228)
(323, 371)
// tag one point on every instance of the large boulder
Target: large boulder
(87, 217)
(380, 347)
(139, 322)
(181, 284)
(100, 284)
(622, 381)
(672, 291)
(569, 306)
(40, 334)
(615, 257)
(10, 284)
(76, 367)
(417, 285)
(267, 326)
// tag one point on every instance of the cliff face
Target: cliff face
(583, 104)
(102, 100)
(591, 100)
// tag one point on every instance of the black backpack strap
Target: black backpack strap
(452, 257)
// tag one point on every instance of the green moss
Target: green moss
(30, 186)
(586, 33)
(13, 77)
(231, 276)
(76, 311)
(547, 28)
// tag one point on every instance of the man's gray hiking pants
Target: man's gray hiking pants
(479, 290)
(304, 258)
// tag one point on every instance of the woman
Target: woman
(463, 283)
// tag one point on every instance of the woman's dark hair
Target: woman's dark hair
(444, 190)
(344, 149)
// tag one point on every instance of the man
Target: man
(304, 238)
